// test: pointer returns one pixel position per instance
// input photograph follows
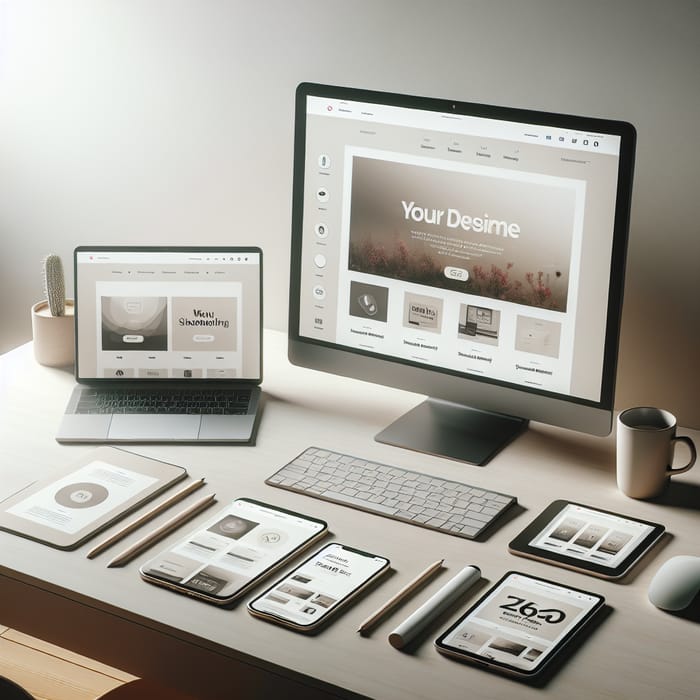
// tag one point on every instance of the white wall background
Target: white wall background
(171, 121)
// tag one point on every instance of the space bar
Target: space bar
(359, 502)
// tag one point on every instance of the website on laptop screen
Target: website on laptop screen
(475, 245)
(168, 314)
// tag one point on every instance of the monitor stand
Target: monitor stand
(453, 431)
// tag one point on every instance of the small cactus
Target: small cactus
(54, 285)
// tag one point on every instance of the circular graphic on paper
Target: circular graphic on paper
(81, 495)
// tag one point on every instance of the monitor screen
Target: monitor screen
(468, 252)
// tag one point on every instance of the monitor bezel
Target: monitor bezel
(589, 416)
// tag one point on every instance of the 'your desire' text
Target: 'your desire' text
(453, 218)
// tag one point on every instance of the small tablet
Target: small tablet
(585, 539)
(233, 551)
(103, 486)
(519, 625)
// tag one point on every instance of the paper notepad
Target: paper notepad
(86, 497)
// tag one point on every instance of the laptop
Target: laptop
(168, 345)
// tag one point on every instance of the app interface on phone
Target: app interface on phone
(319, 585)
(590, 535)
(233, 548)
(521, 621)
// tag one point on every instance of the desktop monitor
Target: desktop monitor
(471, 253)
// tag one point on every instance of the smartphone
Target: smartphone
(319, 587)
(232, 551)
(520, 624)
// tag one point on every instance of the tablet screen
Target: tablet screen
(587, 539)
(232, 550)
(592, 535)
(519, 623)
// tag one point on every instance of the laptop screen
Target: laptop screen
(149, 313)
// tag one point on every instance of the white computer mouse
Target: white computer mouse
(676, 583)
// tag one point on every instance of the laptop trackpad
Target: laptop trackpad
(132, 427)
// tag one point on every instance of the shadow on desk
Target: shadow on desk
(9, 690)
(590, 451)
(680, 494)
(203, 672)
(568, 653)
(138, 689)
(141, 689)
(513, 512)
(691, 613)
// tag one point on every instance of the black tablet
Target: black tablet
(519, 625)
(590, 540)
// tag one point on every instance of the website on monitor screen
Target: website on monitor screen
(473, 245)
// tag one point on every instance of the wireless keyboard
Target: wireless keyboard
(448, 506)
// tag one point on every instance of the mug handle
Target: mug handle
(693, 455)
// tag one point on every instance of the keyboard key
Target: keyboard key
(344, 498)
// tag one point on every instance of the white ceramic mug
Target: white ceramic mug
(646, 440)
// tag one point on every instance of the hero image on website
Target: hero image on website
(448, 240)
(167, 319)
(461, 266)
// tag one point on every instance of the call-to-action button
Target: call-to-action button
(457, 273)
(203, 338)
(132, 338)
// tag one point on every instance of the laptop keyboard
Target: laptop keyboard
(448, 506)
(217, 401)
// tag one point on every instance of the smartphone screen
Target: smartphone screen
(233, 550)
(309, 594)
(519, 624)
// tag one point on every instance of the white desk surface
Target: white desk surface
(636, 652)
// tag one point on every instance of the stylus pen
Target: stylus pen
(130, 552)
(148, 515)
(401, 595)
(410, 628)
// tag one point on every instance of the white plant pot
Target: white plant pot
(54, 336)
